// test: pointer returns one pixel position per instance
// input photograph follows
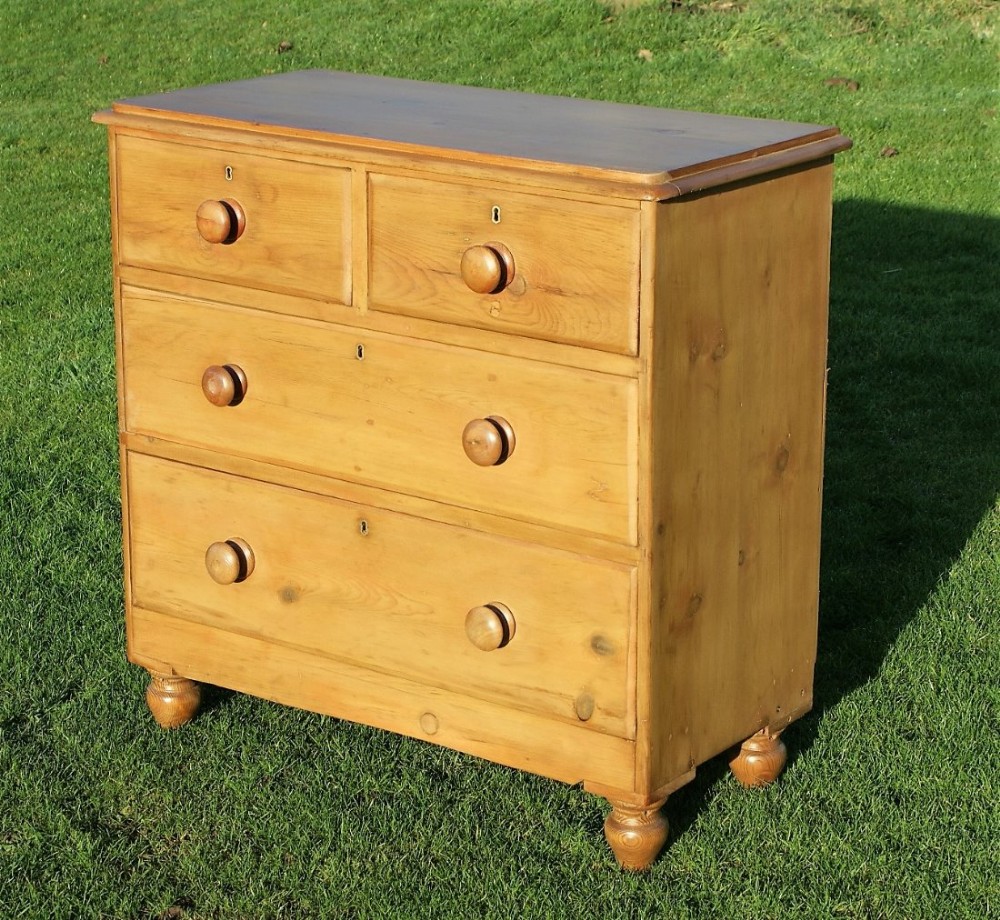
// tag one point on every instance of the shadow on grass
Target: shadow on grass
(913, 424)
(913, 436)
(213, 698)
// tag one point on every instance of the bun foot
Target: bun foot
(172, 700)
(636, 834)
(759, 760)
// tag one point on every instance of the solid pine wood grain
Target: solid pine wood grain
(737, 388)
(119, 369)
(393, 419)
(550, 747)
(311, 342)
(296, 236)
(649, 679)
(392, 596)
(576, 286)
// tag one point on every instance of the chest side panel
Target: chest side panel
(738, 391)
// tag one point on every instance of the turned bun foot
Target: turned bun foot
(759, 760)
(636, 834)
(172, 700)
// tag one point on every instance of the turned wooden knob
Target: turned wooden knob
(224, 384)
(488, 441)
(229, 561)
(488, 268)
(220, 221)
(489, 627)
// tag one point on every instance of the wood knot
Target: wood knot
(584, 706)
(781, 461)
(518, 286)
(694, 605)
(601, 645)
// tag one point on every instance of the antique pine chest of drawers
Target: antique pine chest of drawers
(491, 419)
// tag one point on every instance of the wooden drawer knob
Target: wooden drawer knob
(488, 268)
(230, 561)
(489, 627)
(220, 221)
(224, 384)
(488, 441)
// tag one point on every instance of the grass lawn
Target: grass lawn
(890, 806)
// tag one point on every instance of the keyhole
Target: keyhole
(229, 173)
(363, 528)
(361, 352)
(495, 214)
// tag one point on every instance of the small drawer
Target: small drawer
(513, 262)
(412, 416)
(533, 628)
(256, 221)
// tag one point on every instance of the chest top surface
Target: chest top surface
(643, 145)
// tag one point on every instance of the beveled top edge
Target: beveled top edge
(634, 144)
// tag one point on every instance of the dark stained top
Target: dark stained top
(648, 144)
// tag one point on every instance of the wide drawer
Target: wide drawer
(384, 590)
(295, 235)
(386, 411)
(575, 263)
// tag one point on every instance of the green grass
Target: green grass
(889, 807)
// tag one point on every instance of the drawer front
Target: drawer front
(394, 418)
(575, 264)
(295, 237)
(383, 590)
(562, 750)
